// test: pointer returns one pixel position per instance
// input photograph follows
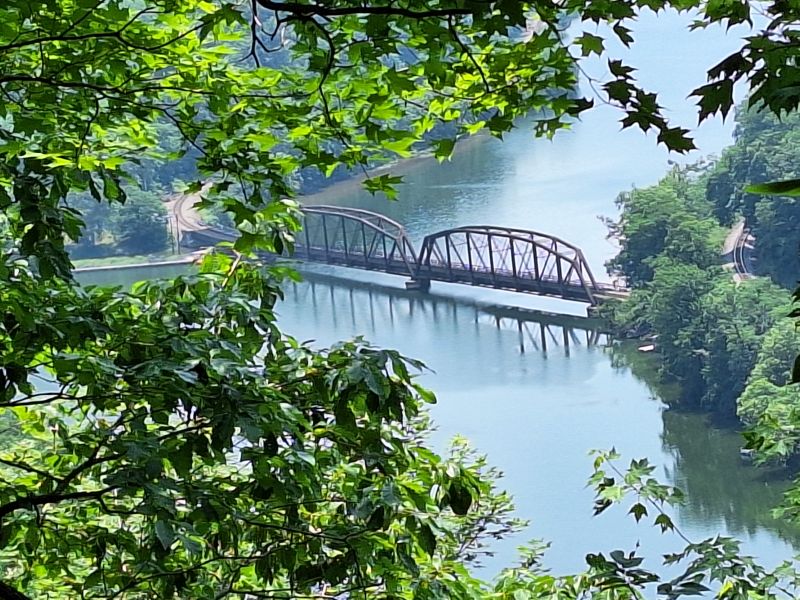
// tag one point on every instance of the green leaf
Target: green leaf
(460, 499)
(638, 511)
(377, 519)
(383, 183)
(443, 149)
(590, 44)
(664, 522)
(181, 459)
(789, 187)
(427, 539)
(676, 139)
(796, 370)
(165, 534)
(624, 34)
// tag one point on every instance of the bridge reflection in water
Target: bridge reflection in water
(502, 258)
(383, 307)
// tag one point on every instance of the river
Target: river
(537, 411)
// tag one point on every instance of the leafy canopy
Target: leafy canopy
(261, 89)
(171, 441)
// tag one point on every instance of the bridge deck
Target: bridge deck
(354, 261)
(503, 280)
(491, 274)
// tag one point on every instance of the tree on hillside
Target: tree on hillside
(95, 215)
(140, 224)
(735, 318)
(765, 149)
(174, 442)
(665, 221)
(768, 398)
(137, 226)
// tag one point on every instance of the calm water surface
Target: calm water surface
(536, 391)
(532, 393)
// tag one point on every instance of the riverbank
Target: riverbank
(135, 264)
(722, 336)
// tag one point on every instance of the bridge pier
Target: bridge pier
(421, 285)
(593, 310)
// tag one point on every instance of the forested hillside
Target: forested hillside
(766, 148)
(730, 345)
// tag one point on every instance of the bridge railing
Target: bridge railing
(502, 257)
(355, 237)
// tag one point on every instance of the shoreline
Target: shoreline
(352, 183)
(189, 258)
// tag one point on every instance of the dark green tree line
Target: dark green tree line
(139, 226)
(175, 442)
(709, 328)
(766, 148)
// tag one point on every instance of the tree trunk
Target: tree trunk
(9, 593)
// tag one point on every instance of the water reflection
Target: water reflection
(723, 491)
(333, 299)
(536, 391)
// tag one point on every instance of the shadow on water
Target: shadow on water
(721, 487)
(385, 305)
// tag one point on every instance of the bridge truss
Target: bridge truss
(497, 257)
(353, 237)
(508, 258)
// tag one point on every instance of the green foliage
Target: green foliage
(777, 227)
(196, 459)
(671, 304)
(258, 92)
(769, 404)
(779, 347)
(713, 565)
(790, 187)
(140, 225)
(184, 447)
(137, 226)
(668, 221)
(735, 318)
(709, 329)
(765, 150)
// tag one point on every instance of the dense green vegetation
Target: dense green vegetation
(173, 442)
(139, 226)
(709, 329)
(766, 149)
(729, 345)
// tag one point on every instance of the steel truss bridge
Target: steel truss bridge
(503, 258)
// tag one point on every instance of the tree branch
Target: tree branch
(309, 10)
(26, 467)
(33, 501)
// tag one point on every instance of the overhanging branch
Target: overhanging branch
(310, 10)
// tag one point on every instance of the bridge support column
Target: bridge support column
(593, 310)
(421, 285)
